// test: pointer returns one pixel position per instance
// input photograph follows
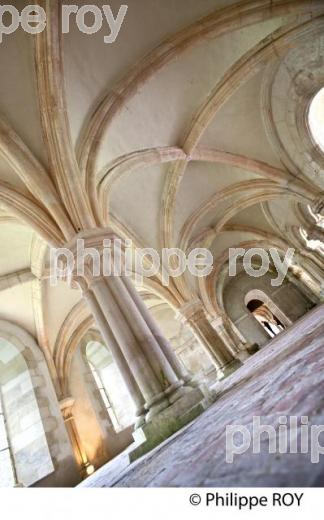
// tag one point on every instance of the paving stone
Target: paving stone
(286, 377)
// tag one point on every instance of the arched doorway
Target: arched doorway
(269, 321)
(266, 312)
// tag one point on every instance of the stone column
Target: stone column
(118, 357)
(165, 346)
(150, 385)
(66, 407)
(223, 358)
(230, 339)
(318, 205)
(162, 369)
(306, 275)
(168, 401)
(145, 358)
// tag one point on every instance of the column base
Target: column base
(161, 426)
(213, 375)
(227, 370)
(252, 349)
(247, 350)
(243, 354)
(219, 374)
(139, 421)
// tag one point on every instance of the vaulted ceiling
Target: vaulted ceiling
(176, 133)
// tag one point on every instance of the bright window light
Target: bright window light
(316, 118)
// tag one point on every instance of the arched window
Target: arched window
(105, 397)
(8, 476)
(316, 117)
(24, 453)
(111, 386)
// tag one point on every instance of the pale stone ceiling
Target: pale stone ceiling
(159, 113)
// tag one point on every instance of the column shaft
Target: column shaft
(116, 352)
(164, 344)
(194, 316)
(138, 323)
(137, 362)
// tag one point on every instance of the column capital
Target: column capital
(217, 321)
(194, 314)
(66, 406)
(190, 311)
(91, 238)
(318, 204)
(90, 253)
(315, 233)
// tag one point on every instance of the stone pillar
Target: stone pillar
(222, 357)
(66, 406)
(318, 205)
(307, 277)
(162, 368)
(169, 402)
(231, 340)
(165, 398)
(118, 357)
(151, 385)
(246, 348)
(165, 346)
(304, 284)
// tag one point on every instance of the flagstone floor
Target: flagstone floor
(285, 378)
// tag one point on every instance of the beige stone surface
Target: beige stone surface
(190, 130)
